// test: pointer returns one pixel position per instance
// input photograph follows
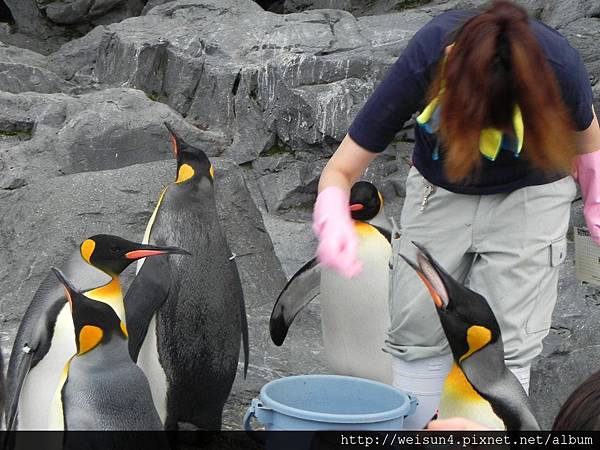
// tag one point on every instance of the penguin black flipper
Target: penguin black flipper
(21, 374)
(504, 393)
(299, 291)
(145, 296)
(39, 319)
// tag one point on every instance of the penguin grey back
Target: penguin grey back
(105, 390)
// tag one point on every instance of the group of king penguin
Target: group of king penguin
(355, 320)
(87, 357)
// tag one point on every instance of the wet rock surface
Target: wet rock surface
(268, 94)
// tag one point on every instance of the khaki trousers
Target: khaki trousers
(507, 247)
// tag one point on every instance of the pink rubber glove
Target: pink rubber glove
(587, 168)
(334, 227)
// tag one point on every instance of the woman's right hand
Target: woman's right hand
(334, 227)
(332, 222)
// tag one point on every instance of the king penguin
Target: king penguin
(101, 388)
(354, 312)
(479, 386)
(186, 317)
(45, 338)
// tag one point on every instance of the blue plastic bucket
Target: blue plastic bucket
(329, 402)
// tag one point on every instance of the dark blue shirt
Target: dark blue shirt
(403, 92)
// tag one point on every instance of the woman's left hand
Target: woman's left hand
(587, 173)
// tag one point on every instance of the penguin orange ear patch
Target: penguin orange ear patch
(87, 248)
(212, 171)
(185, 173)
(477, 338)
(89, 337)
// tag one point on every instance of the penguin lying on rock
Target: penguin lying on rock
(185, 318)
(45, 339)
(479, 386)
(354, 312)
(101, 388)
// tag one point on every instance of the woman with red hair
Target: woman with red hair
(505, 111)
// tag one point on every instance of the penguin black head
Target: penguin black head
(113, 254)
(95, 322)
(467, 319)
(191, 161)
(365, 201)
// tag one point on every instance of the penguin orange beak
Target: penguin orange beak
(154, 251)
(174, 145)
(425, 259)
(357, 207)
(432, 292)
(434, 295)
(67, 285)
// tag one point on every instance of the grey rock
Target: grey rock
(286, 182)
(558, 13)
(253, 76)
(260, 270)
(97, 131)
(361, 8)
(43, 46)
(78, 11)
(152, 3)
(583, 34)
(357, 7)
(28, 18)
(75, 62)
(42, 222)
(65, 18)
(26, 71)
(294, 242)
(534, 7)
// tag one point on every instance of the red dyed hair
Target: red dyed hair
(495, 63)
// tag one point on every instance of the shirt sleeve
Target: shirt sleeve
(577, 92)
(398, 96)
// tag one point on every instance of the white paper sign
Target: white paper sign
(587, 257)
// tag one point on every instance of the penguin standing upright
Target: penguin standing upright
(101, 388)
(186, 317)
(45, 338)
(354, 312)
(479, 386)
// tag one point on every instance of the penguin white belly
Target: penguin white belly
(460, 399)
(148, 362)
(42, 381)
(355, 313)
(148, 230)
